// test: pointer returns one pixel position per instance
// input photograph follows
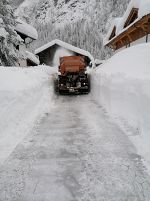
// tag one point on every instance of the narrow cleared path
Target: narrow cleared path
(75, 154)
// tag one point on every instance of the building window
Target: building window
(132, 17)
(113, 34)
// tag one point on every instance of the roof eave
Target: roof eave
(18, 32)
(116, 38)
(56, 42)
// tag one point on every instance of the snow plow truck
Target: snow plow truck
(72, 78)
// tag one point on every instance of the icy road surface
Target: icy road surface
(75, 154)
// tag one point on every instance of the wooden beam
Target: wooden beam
(122, 42)
(146, 28)
(113, 46)
(129, 37)
(142, 26)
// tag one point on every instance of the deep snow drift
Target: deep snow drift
(122, 86)
(26, 94)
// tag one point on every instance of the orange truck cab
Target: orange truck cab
(72, 64)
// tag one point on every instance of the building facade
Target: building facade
(131, 29)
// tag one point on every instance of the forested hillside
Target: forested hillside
(82, 23)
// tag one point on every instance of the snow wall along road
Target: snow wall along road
(26, 94)
(122, 87)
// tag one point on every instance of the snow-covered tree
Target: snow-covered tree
(82, 23)
(8, 37)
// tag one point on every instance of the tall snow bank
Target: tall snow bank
(25, 95)
(122, 86)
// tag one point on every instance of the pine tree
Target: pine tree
(87, 32)
(8, 37)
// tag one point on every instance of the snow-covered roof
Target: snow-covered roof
(26, 29)
(66, 46)
(143, 7)
(32, 57)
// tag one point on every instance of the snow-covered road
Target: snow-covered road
(76, 154)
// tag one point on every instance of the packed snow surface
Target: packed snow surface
(76, 153)
(25, 94)
(143, 7)
(122, 86)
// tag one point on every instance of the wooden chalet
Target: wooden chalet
(135, 30)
